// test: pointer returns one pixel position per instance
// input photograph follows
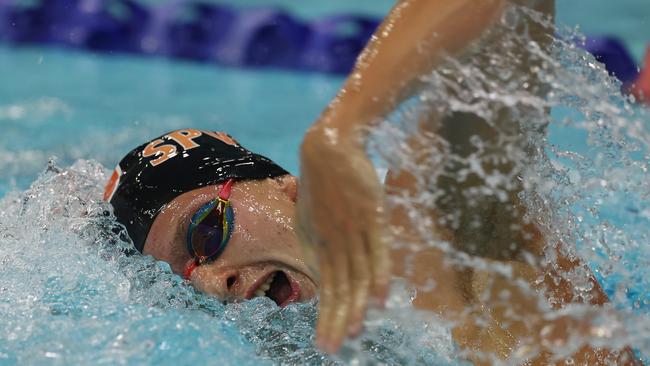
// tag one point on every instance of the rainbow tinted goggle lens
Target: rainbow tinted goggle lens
(210, 229)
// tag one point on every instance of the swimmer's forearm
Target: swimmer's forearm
(411, 41)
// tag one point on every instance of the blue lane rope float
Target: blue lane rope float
(194, 30)
(612, 52)
(206, 32)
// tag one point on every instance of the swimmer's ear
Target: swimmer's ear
(289, 185)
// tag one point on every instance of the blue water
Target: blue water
(75, 105)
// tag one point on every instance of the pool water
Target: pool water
(91, 106)
(70, 297)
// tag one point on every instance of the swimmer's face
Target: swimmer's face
(263, 256)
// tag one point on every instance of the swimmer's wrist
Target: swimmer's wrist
(345, 122)
(322, 137)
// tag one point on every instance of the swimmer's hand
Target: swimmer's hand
(341, 223)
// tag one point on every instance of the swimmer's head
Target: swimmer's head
(157, 189)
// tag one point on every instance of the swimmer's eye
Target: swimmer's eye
(210, 229)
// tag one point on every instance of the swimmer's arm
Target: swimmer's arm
(411, 41)
(517, 325)
(340, 211)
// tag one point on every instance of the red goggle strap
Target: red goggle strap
(224, 193)
(189, 269)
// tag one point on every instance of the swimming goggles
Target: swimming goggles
(210, 229)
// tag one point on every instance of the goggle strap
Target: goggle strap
(189, 269)
(224, 193)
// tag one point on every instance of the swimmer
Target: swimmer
(220, 215)
(342, 216)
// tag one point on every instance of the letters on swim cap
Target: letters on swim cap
(156, 172)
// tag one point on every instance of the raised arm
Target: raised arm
(410, 41)
(340, 203)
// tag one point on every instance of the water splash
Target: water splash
(71, 294)
(580, 172)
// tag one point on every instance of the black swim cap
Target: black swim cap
(156, 172)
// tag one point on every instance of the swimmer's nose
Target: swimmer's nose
(226, 284)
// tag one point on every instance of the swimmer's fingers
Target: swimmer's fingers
(340, 302)
(359, 264)
(307, 243)
(320, 263)
(326, 296)
(379, 253)
(367, 255)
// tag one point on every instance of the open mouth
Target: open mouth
(279, 288)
